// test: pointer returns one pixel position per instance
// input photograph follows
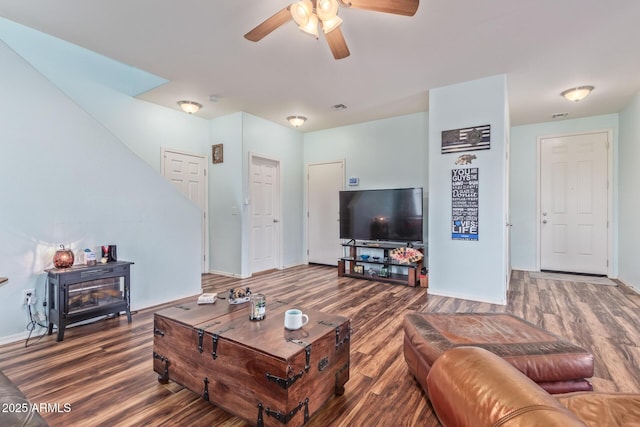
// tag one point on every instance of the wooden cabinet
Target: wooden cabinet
(372, 261)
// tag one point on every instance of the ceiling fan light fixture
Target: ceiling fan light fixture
(301, 12)
(312, 26)
(296, 121)
(190, 106)
(331, 24)
(326, 9)
(577, 93)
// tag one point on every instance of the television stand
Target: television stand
(371, 261)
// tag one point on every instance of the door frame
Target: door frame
(205, 261)
(610, 218)
(344, 174)
(278, 203)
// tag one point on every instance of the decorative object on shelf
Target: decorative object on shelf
(359, 269)
(384, 272)
(217, 153)
(109, 252)
(376, 258)
(364, 257)
(89, 257)
(405, 255)
(63, 258)
(239, 295)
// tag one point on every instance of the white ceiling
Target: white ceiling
(543, 46)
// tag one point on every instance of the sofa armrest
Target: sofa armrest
(15, 407)
(470, 386)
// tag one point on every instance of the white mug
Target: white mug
(293, 319)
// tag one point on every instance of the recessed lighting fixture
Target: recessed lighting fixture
(339, 107)
(559, 115)
(577, 93)
(297, 121)
(189, 106)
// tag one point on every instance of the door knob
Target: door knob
(544, 221)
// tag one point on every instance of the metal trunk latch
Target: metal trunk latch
(214, 345)
(200, 338)
(205, 393)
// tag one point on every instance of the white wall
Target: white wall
(67, 179)
(524, 176)
(629, 189)
(473, 270)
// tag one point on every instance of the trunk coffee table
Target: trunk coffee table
(256, 370)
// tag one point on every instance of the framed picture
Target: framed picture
(358, 269)
(217, 155)
(466, 139)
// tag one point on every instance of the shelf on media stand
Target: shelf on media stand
(372, 261)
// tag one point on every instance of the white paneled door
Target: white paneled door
(574, 203)
(188, 173)
(324, 182)
(264, 176)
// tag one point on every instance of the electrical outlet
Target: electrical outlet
(28, 296)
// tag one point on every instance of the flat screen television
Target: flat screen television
(393, 215)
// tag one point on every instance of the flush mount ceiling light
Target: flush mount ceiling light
(577, 93)
(297, 121)
(189, 106)
(310, 14)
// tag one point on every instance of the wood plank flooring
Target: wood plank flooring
(104, 370)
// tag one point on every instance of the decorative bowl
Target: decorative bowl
(364, 257)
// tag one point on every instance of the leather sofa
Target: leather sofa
(15, 409)
(470, 386)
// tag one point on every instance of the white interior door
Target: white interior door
(265, 214)
(574, 203)
(324, 181)
(188, 172)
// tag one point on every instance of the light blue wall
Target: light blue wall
(384, 153)
(473, 270)
(387, 153)
(629, 190)
(67, 179)
(271, 140)
(524, 176)
(225, 197)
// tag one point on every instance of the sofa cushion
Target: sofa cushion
(470, 386)
(554, 363)
(604, 409)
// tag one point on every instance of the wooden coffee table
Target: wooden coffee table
(258, 371)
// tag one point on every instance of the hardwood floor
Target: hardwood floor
(104, 370)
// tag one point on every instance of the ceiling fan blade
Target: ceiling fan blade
(337, 44)
(397, 7)
(264, 29)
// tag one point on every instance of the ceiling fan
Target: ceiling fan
(309, 14)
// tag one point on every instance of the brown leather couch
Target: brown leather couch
(15, 409)
(470, 386)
